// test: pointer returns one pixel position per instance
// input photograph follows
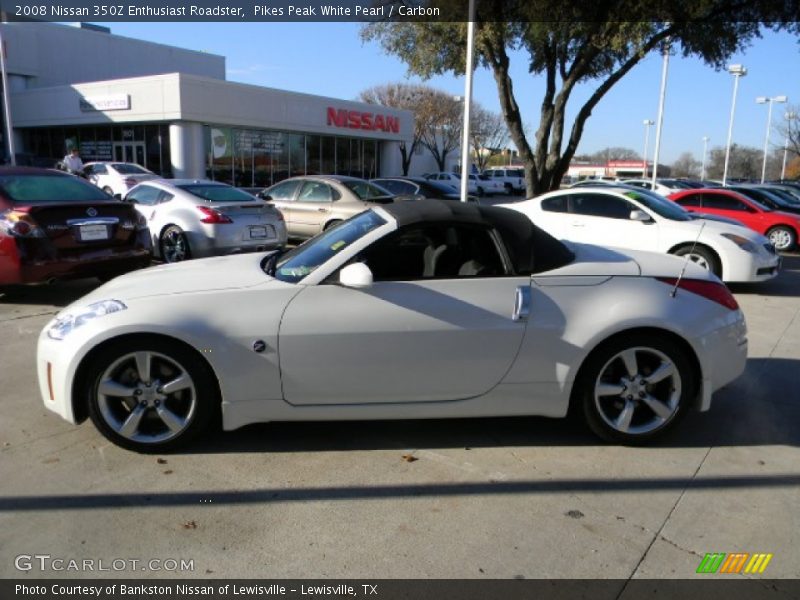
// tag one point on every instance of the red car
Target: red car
(58, 226)
(780, 227)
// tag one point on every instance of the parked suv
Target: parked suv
(513, 180)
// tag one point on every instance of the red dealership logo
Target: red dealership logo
(354, 119)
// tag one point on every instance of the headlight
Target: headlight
(742, 242)
(66, 323)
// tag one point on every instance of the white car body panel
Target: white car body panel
(114, 180)
(658, 235)
(397, 350)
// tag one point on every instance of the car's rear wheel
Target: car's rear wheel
(702, 257)
(149, 395)
(173, 245)
(783, 238)
(636, 387)
(508, 188)
(330, 224)
(108, 190)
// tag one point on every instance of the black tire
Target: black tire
(605, 367)
(330, 224)
(481, 191)
(785, 237)
(108, 190)
(703, 257)
(195, 406)
(509, 188)
(173, 245)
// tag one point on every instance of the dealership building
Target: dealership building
(172, 111)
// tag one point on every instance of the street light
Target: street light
(789, 116)
(737, 71)
(705, 154)
(646, 123)
(766, 100)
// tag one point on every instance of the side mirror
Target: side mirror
(356, 275)
(264, 196)
(639, 215)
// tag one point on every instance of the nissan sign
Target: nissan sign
(354, 119)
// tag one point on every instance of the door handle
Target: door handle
(575, 224)
(522, 303)
(322, 210)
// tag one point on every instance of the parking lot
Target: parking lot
(484, 498)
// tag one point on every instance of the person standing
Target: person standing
(73, 162)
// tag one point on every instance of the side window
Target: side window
(145, 195)
(690, 200)
(601, 205)
(399, 187)
(165, 197)
(435, 251)
(314, 191)
(557, 204)
(99, 170)
(283, 191)
(723, 202)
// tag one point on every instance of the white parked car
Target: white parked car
(664, 187)
(642, 220)
(454, 181)
(190, 218)
(488, 186)
(423, 309)
(116, 178)
(513, 180)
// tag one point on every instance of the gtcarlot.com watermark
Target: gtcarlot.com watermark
(47, 562)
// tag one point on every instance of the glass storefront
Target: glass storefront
(260, 158)
(242, 157)
(144, 144)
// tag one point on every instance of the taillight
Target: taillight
(213, 217)
(711, 290)
(20, 224)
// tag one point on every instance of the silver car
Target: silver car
(195, 218)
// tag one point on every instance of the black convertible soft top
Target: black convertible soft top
(532, 250)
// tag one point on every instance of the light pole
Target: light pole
(465, 162)
(789, 116)
(737, 71)
(660, 118)
(705, 154)
(647, 123)
(770, 101)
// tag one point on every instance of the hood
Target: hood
(199, 275)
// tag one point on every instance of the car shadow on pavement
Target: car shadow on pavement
(760, 408)
(56, 294)
(787, 283)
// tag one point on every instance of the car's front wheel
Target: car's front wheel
(149, 395)
(783, 238)
(635, 387)
(173, 245)
(702, 257)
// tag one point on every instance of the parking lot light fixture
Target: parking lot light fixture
(738, 71)
(789, 116)
(705, 155)
(769, 101)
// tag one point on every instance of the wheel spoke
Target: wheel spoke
(109, 387)
(171, 420)
(131, 424)
(659, 408)
(609, 389)
(623, 421)
(629, 359)
(182, 382)
(666, 369)
(143, 360)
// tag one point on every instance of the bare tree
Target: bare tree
(614, 153)
(686, 165)
(406, 96)
(488, 135)
(789, 135)
(441, 134)
(744, 162)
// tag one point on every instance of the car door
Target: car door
(282, 195)
(311, 208)
(145, 200)
(437, 323)
(727, 205)
(605, 220)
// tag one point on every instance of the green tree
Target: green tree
(580, 43)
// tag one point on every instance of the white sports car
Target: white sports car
(422, 309)
(642, 220)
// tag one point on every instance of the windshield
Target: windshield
(50, 188)
(659, 205)
(299, 262)
(217, 193)
(129, 169)
(366, 190)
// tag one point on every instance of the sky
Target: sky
(330, 59)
